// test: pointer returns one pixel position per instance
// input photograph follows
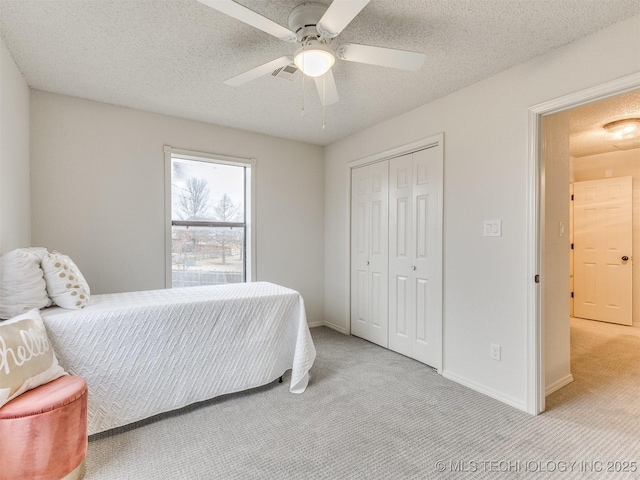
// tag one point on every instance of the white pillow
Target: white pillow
(27, 359)
(65, 284)
(22, 285)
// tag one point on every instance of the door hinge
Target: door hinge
(571, 294)
(536, 279)
(572, 246)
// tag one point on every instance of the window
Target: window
(210, 237)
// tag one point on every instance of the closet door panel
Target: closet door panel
(401, 303)
(360, 206)
(369, 252)
(402, 230)
(362, 299)
(401, 307)
(422, 307)
(379, 253)
(427, 253)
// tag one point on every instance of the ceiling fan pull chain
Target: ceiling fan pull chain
(303, 75)
(324, 99)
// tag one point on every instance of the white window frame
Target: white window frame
(251, 184)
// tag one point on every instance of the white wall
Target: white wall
(15, 206)
(486, 177)
(98, 194)
(555, 262)
(622, 164)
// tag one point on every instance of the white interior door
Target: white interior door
(379, 254)
(415, 255)
(370, 252)
(427, 278)
(401, 303)
(602, 250)
(360, 206)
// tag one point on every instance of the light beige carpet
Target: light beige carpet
(369, 413)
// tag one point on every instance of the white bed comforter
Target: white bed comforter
(144, 353)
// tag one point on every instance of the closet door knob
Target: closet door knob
(367, 262)
(625, 258)
(414, 268)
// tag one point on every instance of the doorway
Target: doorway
(549, 340)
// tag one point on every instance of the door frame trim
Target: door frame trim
(427, 142)
(535, 225)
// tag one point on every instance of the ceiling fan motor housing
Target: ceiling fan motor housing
(303, 20)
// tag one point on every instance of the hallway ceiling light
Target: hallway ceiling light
(625, 128)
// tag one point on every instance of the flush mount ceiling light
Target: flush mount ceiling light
(315, 59)
(625, 128)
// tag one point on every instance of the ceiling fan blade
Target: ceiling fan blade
(258, 71)
(327, 90)
(384, 57)
(237, 11)
(338, 16)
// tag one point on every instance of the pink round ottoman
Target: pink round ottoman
(44, 432)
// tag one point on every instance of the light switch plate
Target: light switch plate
(493, 228)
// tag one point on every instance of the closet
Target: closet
(396, 254)
(370, 252)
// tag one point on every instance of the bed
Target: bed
(144, 353)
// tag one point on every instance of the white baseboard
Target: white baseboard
(519, 404)
(558, 384)
(336, 328)
(315, 324)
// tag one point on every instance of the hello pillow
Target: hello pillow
(22, 284)
(27, 359)
(65, 283)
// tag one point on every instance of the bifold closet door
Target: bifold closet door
(401, 299)
(415, 255)
(370, 252)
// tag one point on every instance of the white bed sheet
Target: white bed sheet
(144, 353)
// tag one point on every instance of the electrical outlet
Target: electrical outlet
(494, 351)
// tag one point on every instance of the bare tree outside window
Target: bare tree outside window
(226, 211)
(208, 229)
(195, 199)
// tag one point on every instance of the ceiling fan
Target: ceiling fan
(313, 26)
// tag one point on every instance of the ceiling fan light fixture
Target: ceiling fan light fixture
(625, 128)
(314, 61)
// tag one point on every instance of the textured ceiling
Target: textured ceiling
(172, 56)
(587, 135)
